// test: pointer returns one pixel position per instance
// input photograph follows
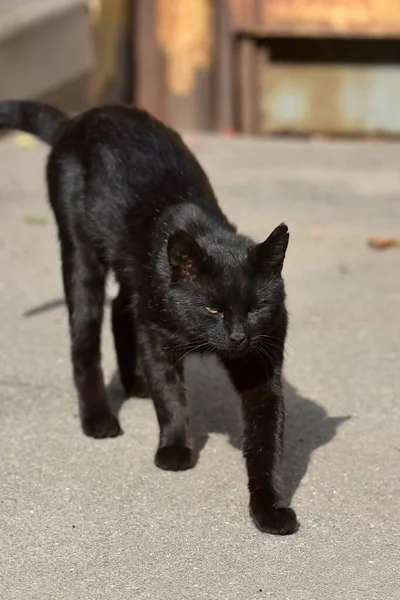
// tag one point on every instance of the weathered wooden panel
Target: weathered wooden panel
(148, 63)
(173, 60)
(243, 11)
(331, 99)
(112, 36)
(185, 35)
(335, 15)
(223, 92)
(342, 17)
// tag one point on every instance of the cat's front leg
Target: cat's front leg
(264, 415)
(165, 380)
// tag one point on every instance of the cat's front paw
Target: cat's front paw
(174, 458)
(102, 425)
(278, 520)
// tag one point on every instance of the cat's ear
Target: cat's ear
(184, 254)
(270, 254)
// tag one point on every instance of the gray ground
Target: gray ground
(96, 520)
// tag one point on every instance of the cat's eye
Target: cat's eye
(212, 310)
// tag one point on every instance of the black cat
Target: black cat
(128, 195)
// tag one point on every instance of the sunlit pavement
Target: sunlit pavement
(94, 520)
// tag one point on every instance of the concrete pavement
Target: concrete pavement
(95, 520)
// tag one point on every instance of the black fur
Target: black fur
(39, 119)
(129, 196)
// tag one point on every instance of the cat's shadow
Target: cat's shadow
(215, 408)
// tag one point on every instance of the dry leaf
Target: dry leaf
(381, 243)
(25, 140)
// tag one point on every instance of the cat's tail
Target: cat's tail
(36, 118)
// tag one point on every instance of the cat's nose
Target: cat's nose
(238, 337)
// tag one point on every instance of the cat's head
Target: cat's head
(226, 294)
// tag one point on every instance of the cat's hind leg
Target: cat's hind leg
(84, 279)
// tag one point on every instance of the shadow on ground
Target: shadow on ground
(308, 427)
(51, 305)
(215, 408)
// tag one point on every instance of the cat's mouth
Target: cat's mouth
(236, 351)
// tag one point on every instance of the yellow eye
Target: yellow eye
(211, 310)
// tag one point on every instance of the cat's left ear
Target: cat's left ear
(184, 253)
(270, 254)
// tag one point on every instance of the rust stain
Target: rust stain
(327, 99)
(184, 33)
(335, 15)
(242, 12)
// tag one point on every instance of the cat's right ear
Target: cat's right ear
(270, 254)
(184, 254)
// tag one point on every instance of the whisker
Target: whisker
(194, 349)
(206, 352)
(262, 358)
(274, 337)
(286, 353)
